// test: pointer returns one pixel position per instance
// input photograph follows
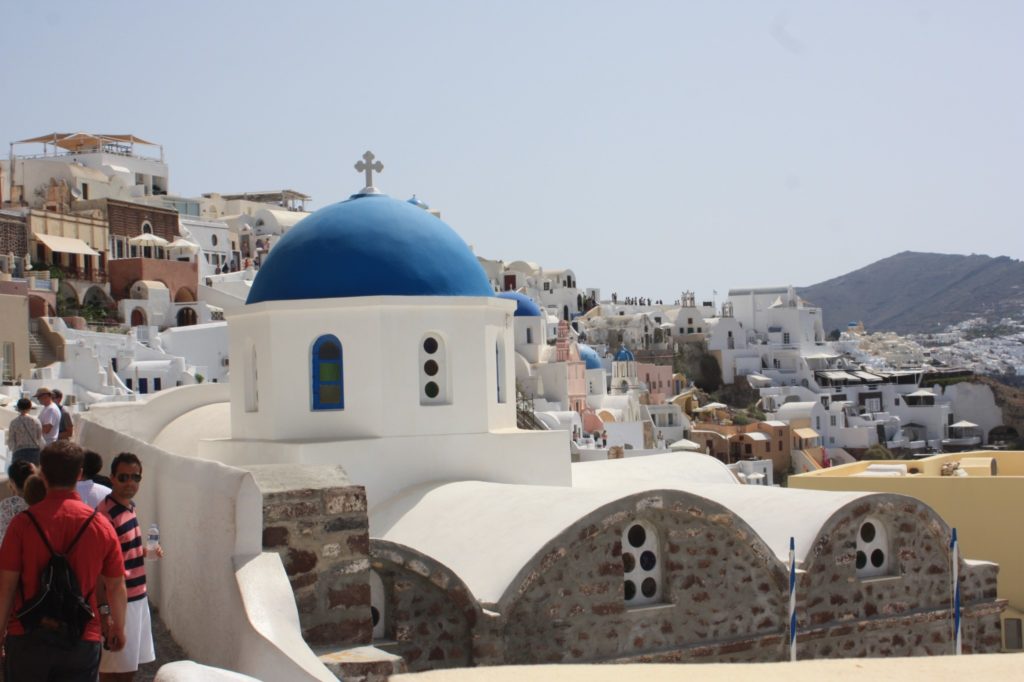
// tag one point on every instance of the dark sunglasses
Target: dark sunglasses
(124, 478)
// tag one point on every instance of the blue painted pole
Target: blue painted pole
(954, 552)
(792, 599)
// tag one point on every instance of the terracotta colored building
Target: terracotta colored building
(760, 440)
(180, 278)
(127, 220)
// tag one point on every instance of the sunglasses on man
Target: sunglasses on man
(124, 478)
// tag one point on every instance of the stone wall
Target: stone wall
(13, 235)
(719, 583)
(918, 586)
(126, 219)
(429, 613)
(316, 520)
(724, 593)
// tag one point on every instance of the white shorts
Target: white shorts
(138, 647)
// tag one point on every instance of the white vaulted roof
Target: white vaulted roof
(488, 532)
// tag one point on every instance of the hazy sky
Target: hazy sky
(652, 147)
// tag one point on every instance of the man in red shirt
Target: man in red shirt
(96, 557)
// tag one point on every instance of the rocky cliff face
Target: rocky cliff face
(1011, 401)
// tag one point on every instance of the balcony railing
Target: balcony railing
(97, 276)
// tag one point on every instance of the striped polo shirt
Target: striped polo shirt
(126, 525)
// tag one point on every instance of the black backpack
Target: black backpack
(58, 614)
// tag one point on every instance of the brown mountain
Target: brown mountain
(921, 292)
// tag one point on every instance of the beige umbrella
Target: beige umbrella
(183, 246)
(147, 239)
(684, 445)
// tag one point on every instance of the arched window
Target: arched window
(378, 606)
(434, 384)
(641, 565)
(873, 558)
(327, 374)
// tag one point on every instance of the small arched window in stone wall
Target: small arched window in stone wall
(378, 607)
(641, 565)
(434, 389)
(873, 550)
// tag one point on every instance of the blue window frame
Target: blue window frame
(327, 374)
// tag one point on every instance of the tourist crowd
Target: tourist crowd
(73, 602)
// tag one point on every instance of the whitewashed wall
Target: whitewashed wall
(222, 599)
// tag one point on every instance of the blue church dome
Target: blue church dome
(589, 356)
(419, 203)
(624, 355)
(525, 307)
(369, 245)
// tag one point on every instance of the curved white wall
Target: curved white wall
(223, 600)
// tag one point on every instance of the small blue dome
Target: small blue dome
(369, 245)
(624, 355)
(418, 202)
(589, 356)
(525, 307)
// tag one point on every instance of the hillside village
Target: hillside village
(180, 327)
(114, 288)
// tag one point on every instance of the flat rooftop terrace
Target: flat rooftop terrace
(1007, 464)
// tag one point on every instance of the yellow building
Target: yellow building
(14, 356)
(981, 494)
(76, 243)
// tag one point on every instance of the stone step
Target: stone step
(39, 353)
(362, 663)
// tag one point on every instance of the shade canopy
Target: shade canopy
(840, 376)
(78, 141)
(65, 244)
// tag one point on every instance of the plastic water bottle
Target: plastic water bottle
(152, 541)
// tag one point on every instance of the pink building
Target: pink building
(658, 379)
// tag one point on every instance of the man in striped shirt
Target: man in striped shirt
(126, 476)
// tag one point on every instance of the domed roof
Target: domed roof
(417, 202)
(369, 245)
(589, 356)
(624, 355)
(525, 307)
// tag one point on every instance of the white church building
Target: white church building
(361, 486)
